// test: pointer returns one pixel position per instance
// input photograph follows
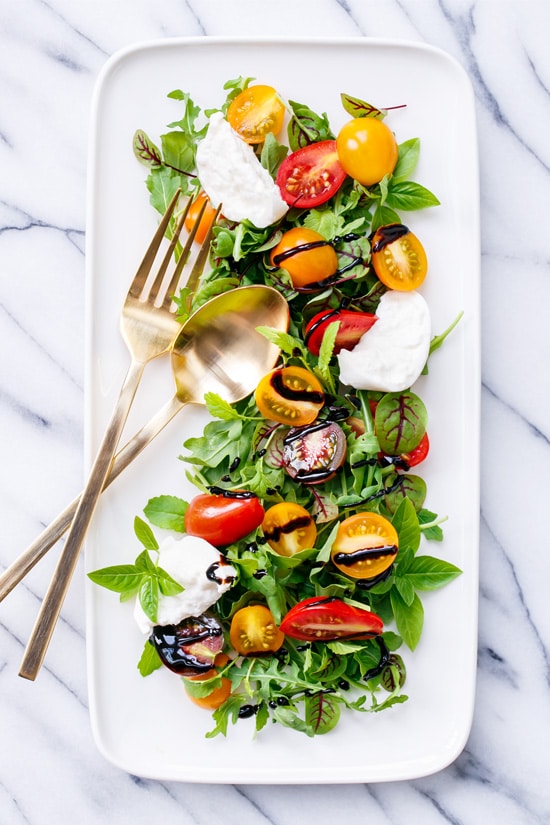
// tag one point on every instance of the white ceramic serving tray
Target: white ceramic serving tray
(148, 727)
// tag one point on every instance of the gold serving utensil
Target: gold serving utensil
(148, 326)
(217, 350)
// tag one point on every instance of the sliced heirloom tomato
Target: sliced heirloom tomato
(224, 518)
(313, 454)
(253, 630)
(255, 112)
(310, 176)
(289, 528)
(217, 695)
(290, 395)
(190, 647)
(367, 150)
(324, 619)
(398, 257)
(307, 257)
(365, 546)
(352, 327)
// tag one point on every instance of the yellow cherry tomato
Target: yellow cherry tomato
(290, 395)
(365, 546)
(306, 256)
(367, 150)
(289, 528)
(398, 257)
(255, 112)
(253, 630)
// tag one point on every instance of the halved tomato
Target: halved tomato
(255, 112)
(290, 395)
(200, 210)
(353, 326)
(419, 453)
(310, 176)
(325, 618)
(217, 695)
(253, 630)
(398, 257)
(366, 545)
(289, 528)
(313, 454)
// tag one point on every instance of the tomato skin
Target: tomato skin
(365, 546)
(313, 454)
(290, 395)
(311, 175)
(398, 258)
(324, 619)
(221, 519)
(289, 528)
(419, 453)
(194, 214)
(353, 326)
(218, 696)
(253, 630)
(255, 112)
(306, 255)
(367, 150)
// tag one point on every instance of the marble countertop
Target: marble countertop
(52, 52)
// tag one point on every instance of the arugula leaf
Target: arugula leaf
(150, 660)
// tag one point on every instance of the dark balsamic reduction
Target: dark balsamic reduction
(349, 559)
(304, 247)
(388, 234)
(290, 394)
(290, 526)
(384, 659)
(242, 494)
(212, 574)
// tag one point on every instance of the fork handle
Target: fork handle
(59, 585)
(19, 568)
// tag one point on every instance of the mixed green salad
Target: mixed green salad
(309, 492)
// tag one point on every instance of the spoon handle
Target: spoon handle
(63, 573)
(24, 563)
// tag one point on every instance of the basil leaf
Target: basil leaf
(145, 534)
(121, 578)
(409, 152)
(409, 618)
(166, 512)
(408, 196)
(406, 524)
(149, 597)
(429, 573)
(150, 660)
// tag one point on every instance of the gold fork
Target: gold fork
(149, 327)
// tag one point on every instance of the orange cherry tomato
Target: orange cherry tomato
(365, 546)
(253, 630)
(205, 221)
(289, 528)
(218, 696)
(398, 257)
(290, 395)
(306, 255)
(367, 150)
(255, 112)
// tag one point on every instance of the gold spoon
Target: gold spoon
(217, 350)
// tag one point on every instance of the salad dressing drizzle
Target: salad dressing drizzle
(349, 559)
(386, 235)
(294, 395)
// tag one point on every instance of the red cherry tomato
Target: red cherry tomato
(310, 176)
(353, 326)
(419, 453)
(323, 619)
(223, 519)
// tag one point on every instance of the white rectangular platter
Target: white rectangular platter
(147, 726)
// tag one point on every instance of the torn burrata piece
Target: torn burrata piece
(202, 572)
(231, 175)
(393, 353)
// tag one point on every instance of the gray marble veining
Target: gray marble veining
(52, 52)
